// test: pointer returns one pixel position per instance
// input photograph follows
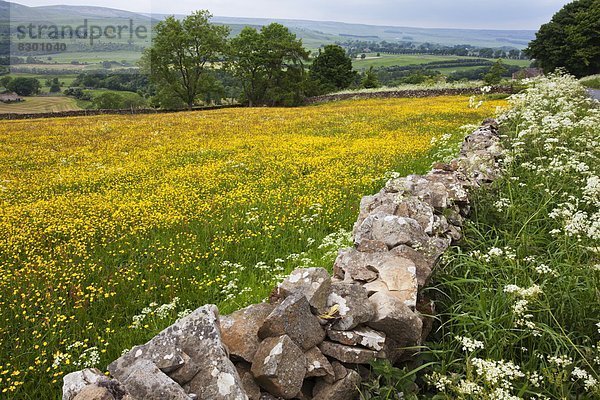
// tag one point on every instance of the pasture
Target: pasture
(111, 226)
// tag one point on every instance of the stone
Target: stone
(339, 371)
(480, 168)
(399, 275)
(74, 382)
(348, 354)
(384, 271)
(392, 351)
(452, 166)
(483, 139)
(268, 396)
(346, 388)
(317, 364)
(293, 318)
(248, 383)
(314, 283)
(423, 264)
(93, 392)
(363, 336)
(454, 184)
(368, 204)
(376, 286)
(426, 310)
(396, 320)
(239, 330)
(351, 264)
(436, 247)
(454, 233)
(353, 305)
(306, 391)
(207, 370)
(391, 230)
(420, 211)
(279, 366)
(143, 380)
(439, 189)
(371, 246)
(453, 216)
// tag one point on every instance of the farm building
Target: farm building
(10, 98)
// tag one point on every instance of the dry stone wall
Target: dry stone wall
(314, 336)
(403, 93)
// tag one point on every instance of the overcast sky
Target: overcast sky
(492, 14)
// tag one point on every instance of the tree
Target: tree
(182, 53)
(370, 80)
(269, 65)
(570, 40)
(494, 76)
(332, 69)
(24, 86)
(108, 101)
(4, 81)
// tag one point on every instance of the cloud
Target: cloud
(492, 14)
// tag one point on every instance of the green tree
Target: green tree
(370, 79)
(109, 101)
(4, 81)
(570, 40)
(24, 86)
(332, 69)
(494, 76)
(182, 54)
(269, 65)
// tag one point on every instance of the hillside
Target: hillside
(314, 33)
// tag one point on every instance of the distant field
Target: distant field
(97, 57)
(40, 104)
(388, 60)
(60, 66)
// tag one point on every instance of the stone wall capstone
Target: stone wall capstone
(317, 332)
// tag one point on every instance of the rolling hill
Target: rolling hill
(314, 33)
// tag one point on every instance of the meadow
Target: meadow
(111, 226)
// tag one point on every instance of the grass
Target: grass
(105, 218)
(388, 60)
(40, 104)
(592, 81)
(518, 299)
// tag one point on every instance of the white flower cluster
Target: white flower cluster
(469, 345)
(161, 312)
(500, 374)
(529, 292)
(335, 241)
(589, 382)
(520, 308)
(549, 112)
(494, 253)
(89, 358)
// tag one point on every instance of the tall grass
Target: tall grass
(592, 81)
(519, 299)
